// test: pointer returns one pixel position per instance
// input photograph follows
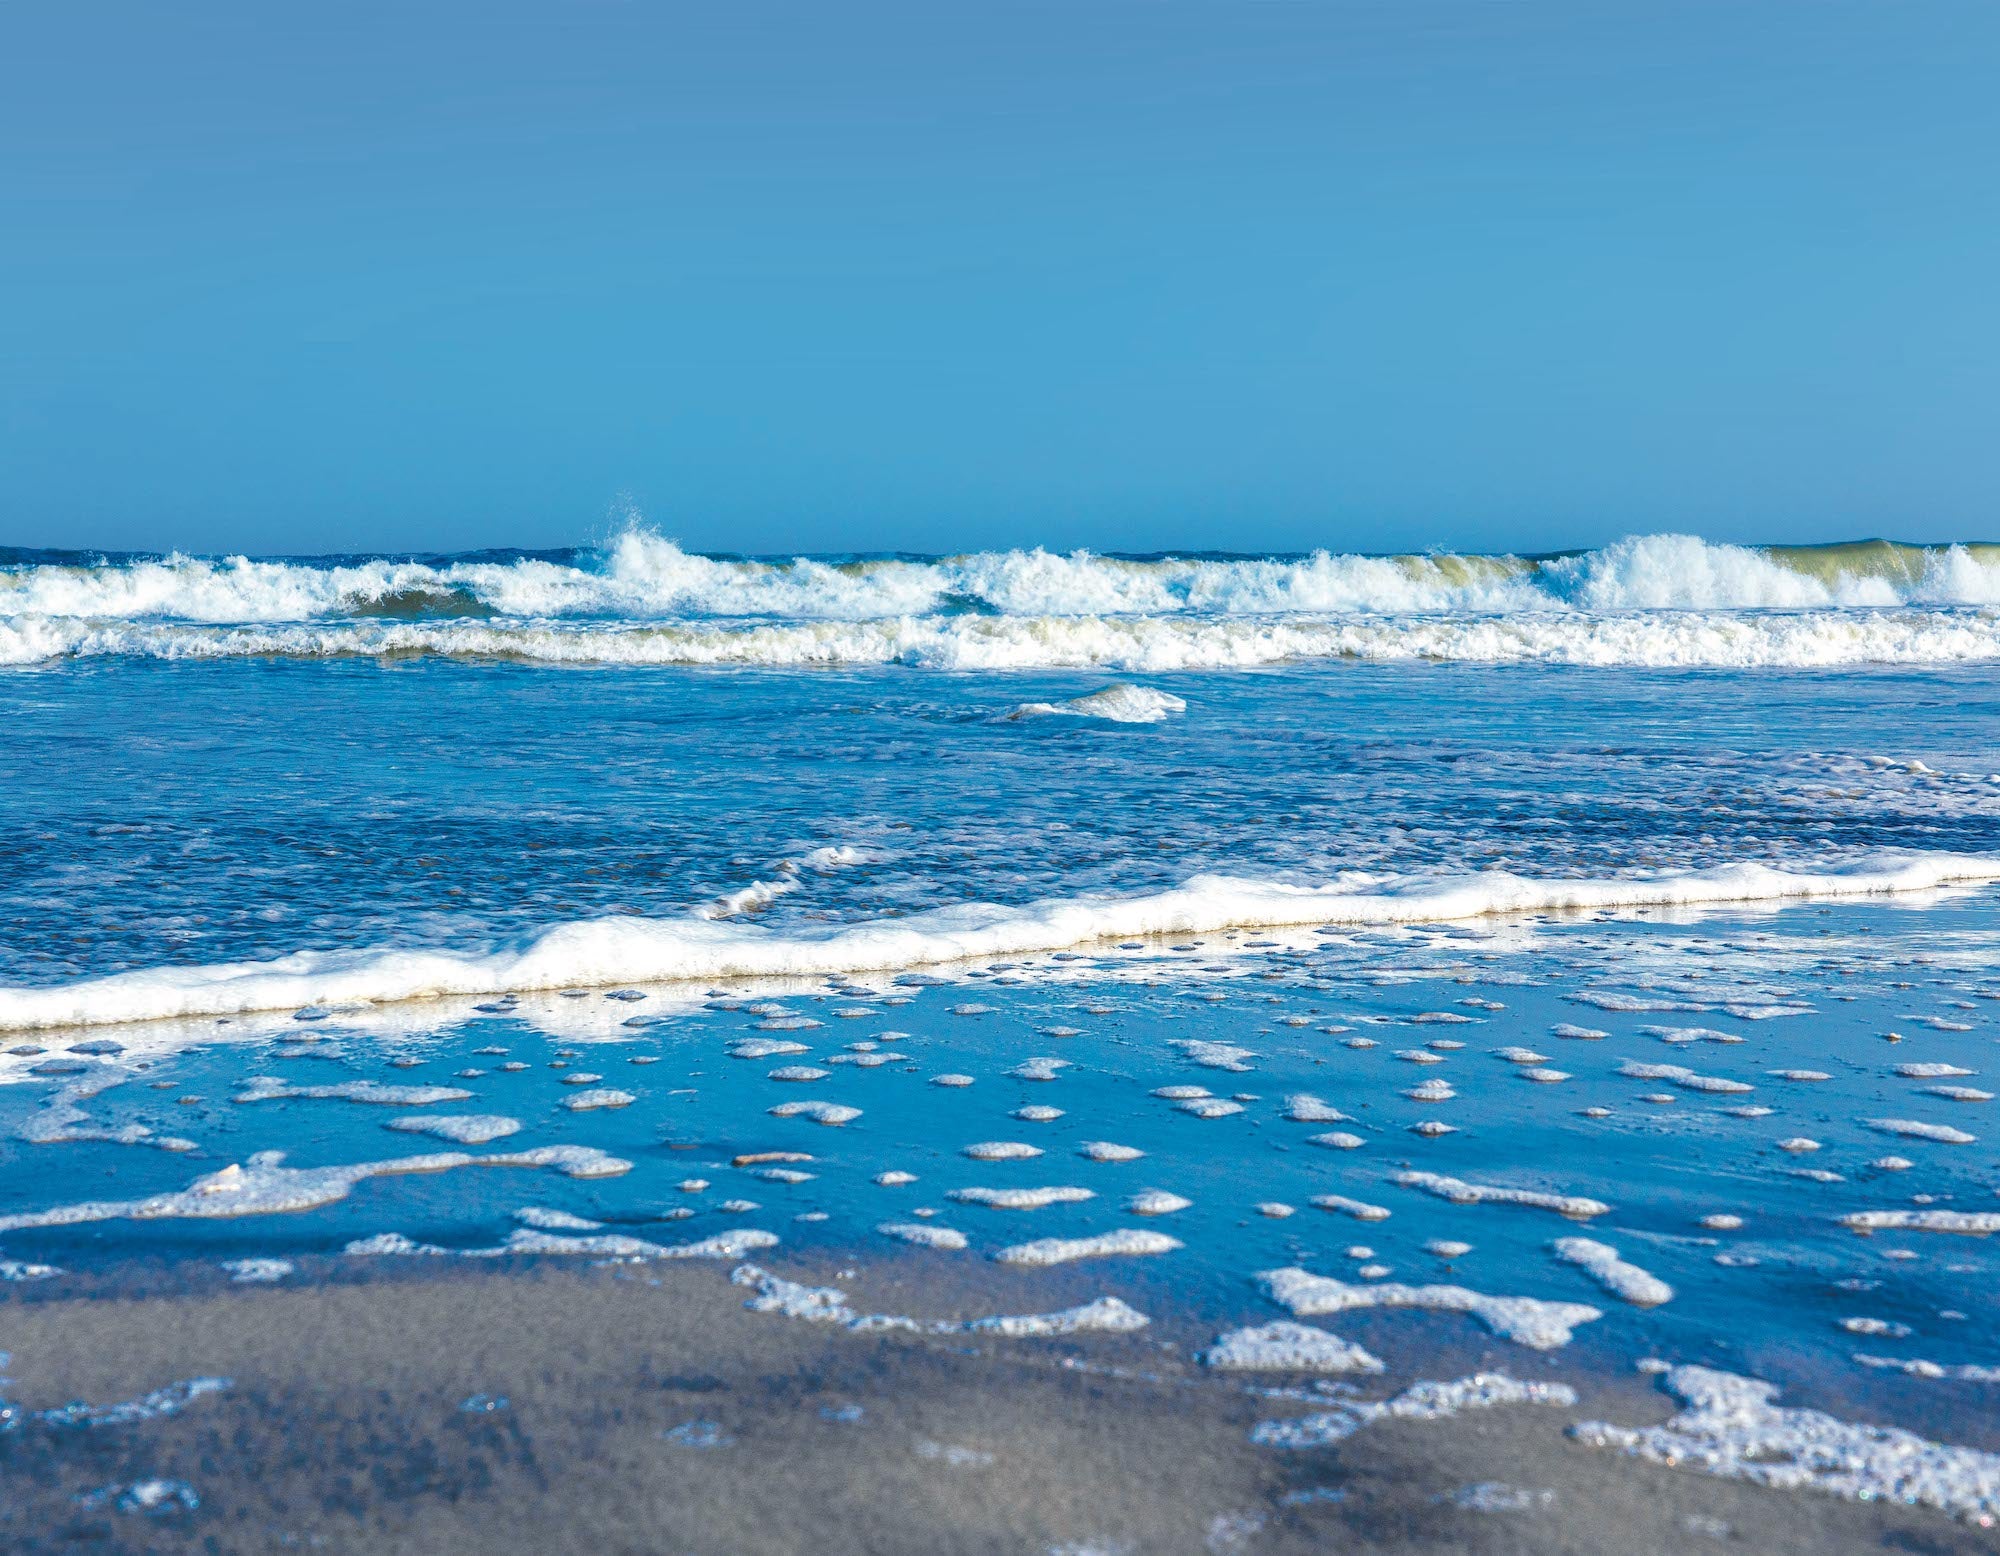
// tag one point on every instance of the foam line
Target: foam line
(607, 951)
(1142, 644)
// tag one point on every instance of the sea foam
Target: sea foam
(626, 949)
(1645, 600)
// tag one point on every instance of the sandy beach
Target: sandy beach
(641, 1408)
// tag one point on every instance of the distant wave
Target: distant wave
(629, 949)
(641, 577)
(641, 600)
(1813, 639)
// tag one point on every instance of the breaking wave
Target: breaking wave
(1816, 639)
(1648, 600)
(640, 576)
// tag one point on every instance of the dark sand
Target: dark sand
(344, 1431)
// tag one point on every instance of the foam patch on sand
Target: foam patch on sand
(162, 1402)
(1422, 1402)
(829, 1305)
(1528, 1321)
(624, 949)
(1285, 1347)
(1731, 1428)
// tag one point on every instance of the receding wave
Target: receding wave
(1815, 639)
(604, 951)
(642, 577)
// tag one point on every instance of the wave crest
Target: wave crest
(1817, 639)
(640, 576)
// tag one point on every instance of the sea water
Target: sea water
(1595, 952)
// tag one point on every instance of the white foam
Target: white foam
(828, 1305)
(1601, 1262)
(1730, 1428)
(624, 949)
(1678, 1075)
(765, 1047)
(1658, 599)
(1106, 1314)
(602, 1097)
(1912, 1129)
(1117, 704)
(1361, 1210)
(832, 1114)
(1961, 1372)
(1969, 1223)
(258, 1272)
(639, 574)
(1423, 1402)
(555, 1220)
(1528, 1321)
(459, 1128)
(1287, 1347)
(265, 1186)
(1574, 1206)
(265, 1088)
(1021, 1199)
(1125, 1242)
(733, 1244)
(922, 1234)
(1143, 645)
(1214, 1055)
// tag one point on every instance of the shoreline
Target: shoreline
(343, 1428)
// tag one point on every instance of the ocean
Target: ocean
(1520, 967)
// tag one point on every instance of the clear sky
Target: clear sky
(846, 274)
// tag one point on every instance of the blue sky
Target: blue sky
(1479, 273)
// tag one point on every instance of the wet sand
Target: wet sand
(647, 1411)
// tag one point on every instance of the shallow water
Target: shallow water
(1596, 1108)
